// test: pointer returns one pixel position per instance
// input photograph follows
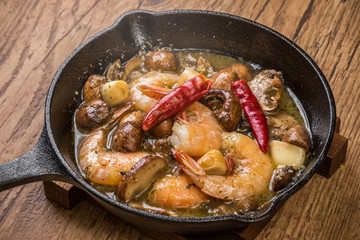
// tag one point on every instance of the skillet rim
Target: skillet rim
(274, 203)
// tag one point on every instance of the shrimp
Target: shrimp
(101, 165)
(251, 176)
(155, 79)
(198, 134)
(174, 192)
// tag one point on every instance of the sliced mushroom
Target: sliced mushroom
(140, 177)
(226, 107)
(298, 136)
(114, 71)
(92, 114)
(267, 87)
(161, 60)
(127, 137)
(281, 177)
(131, 66)
(92, 87)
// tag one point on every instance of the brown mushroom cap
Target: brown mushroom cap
(223, 79)
(241, 70)
(282, 176)
(161, 60)
(163, 128)
(127, 137)
(280, 123)
(92, 87)
(298, 136)
(92, 113)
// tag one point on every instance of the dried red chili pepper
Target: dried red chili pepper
(177, 100)
(253, 113)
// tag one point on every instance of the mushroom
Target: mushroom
(298, 136)
(223, 79)
(159, 146)
(92, 114)
(242, 206)
(161, 60)
(242, 71)
(234, 72)
(127, 137)
(248, 204)
(280, 123)
(197, 63)
(140, 177)
(92, 87)
(162, 147)
(114, 71)
(131, 66)
(204, 66)
(163, 129)
(267, 87)
(226, 107)
(281, 177)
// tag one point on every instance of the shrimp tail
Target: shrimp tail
(190, 167)
(153, 91)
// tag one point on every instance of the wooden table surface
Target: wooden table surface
(37, 36)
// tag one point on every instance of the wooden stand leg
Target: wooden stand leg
(336, 155)
(65, 194)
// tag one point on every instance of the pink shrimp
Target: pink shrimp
(251, 176)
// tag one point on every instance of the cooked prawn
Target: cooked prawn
(251, 176)
(173, 192)
(197, 135)
(155, 79)
(101, 165)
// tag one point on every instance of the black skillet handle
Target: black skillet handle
(39, 164)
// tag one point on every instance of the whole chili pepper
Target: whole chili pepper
(175, 101)
(253, 113)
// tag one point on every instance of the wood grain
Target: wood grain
(38, 35)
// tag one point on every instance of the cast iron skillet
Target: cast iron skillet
(52, 158)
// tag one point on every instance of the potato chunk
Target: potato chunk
(213, 162)
(284, 153)
(115, 92)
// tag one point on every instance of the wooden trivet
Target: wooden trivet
(69, 196)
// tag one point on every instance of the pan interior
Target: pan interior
(199, 30)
